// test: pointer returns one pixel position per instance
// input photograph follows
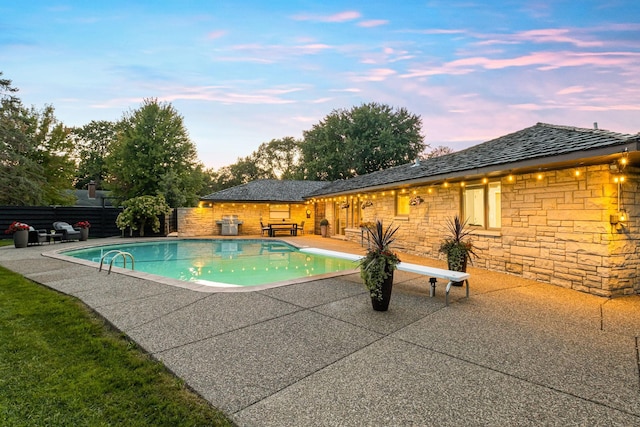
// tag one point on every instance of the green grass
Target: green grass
(61, 365)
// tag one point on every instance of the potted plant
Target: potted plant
(84, 229)
(20, 233)
(324, 226)
(377, 267)
(457, 247)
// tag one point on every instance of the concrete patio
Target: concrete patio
(517, 352)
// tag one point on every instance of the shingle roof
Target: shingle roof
(267, 190)
(541, 142)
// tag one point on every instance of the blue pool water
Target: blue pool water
(219, 262)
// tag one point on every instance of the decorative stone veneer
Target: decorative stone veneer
(201, 221)
(555, 230)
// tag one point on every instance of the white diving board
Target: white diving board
(432, 272)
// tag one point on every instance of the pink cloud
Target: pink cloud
(548, 35)
(373, 23)
(571, 90)
(216, 34)
(376, 75)
(544, 61)
(337, 17)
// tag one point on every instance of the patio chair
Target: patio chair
(301, 228)
(68, 232)
(37, 237)
(264, 229)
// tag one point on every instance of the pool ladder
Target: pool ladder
(113, 258)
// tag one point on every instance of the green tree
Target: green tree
(93, 143)
(20, 175)
(362, 140)
(36, 167)
(153, 155)
(279, 158)
(54, 154)
(141, 211)
(243, 171)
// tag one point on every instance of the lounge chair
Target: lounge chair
(68, 232)
(37, 237)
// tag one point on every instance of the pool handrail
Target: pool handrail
(124, 259)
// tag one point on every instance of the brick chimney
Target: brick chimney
(92, 189)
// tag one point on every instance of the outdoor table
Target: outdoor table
(291, 228)
(51, 237)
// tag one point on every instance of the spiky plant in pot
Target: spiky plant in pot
(457, 246)
(376, 268)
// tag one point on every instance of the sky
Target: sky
(242, 73)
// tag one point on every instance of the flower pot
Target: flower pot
(84, 234)
(323, 230)
(457, 265)
(387, 286)
(21, 238)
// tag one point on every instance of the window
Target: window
(402, 204)
(481, 205)
(279, 211)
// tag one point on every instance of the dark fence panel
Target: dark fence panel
(103, 220)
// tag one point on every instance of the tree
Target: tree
(93, 142)
(440, 150)
(153, 155)
(20, 175)
(362, 140)
(279, 157)
(53, 149)
(36, 167)
(140, 211)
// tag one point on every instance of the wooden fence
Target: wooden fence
(102, 219)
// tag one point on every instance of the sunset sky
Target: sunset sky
(245, 72)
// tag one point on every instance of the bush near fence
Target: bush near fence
(102, 219)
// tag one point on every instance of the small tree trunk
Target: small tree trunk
(142, 223)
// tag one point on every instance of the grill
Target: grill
(229, 225)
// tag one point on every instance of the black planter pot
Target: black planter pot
(383, 304)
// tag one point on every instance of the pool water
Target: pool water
(219, 262)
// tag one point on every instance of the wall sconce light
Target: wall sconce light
(366, 204)
(619, 219)
(415, 201)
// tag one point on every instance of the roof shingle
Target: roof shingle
(536, 142)
(267, 190)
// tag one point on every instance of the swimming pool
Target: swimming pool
(219, 262)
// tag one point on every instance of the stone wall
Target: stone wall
(555, 230)
(201, 221)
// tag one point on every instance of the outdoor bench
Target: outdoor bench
(433, 272)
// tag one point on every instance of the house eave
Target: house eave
(604, 155)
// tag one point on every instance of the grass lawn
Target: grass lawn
(61, 365)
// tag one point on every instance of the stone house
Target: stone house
(263, 201)
(551, 203)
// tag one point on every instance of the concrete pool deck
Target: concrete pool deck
(517, 352)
